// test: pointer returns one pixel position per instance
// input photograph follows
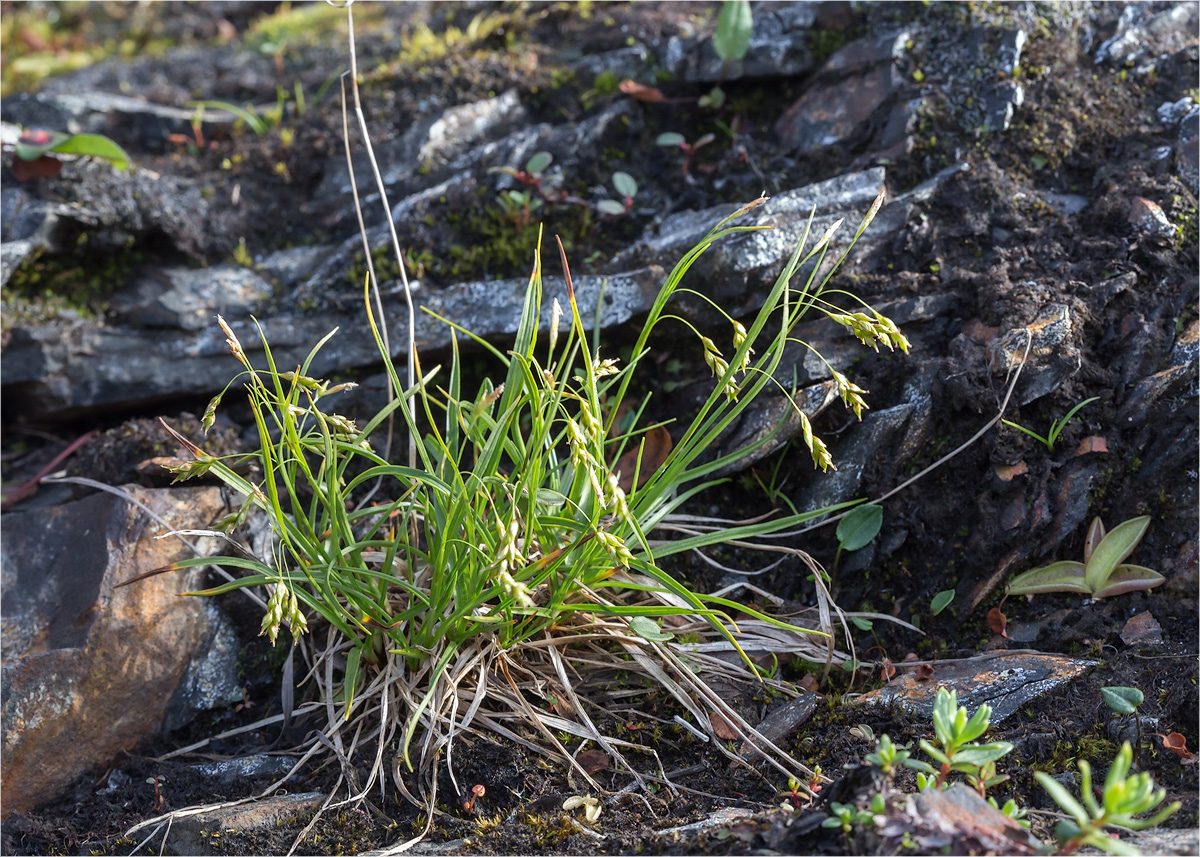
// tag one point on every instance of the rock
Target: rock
(1139, 37)
(956, 821)
(782, 722)
(828, 113)
(30, 225)
(1007, 682)
(229, 771)
(718, 818)
(190, 298)
(775, 416)
(217, 831)
(867, 51)
(778, 48)
(1172, 112)
(88, 665)
(1000, 100)
(1142, 629)
(1053, 355)
(133, 123)
(1148, 219)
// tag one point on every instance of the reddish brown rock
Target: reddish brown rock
(89, 669)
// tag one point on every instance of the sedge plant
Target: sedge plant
(505, 554)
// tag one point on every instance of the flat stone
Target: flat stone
(1053, 356)
(957, 821)
(828, 113)
(130, 121)
(88, 665)
(775, 416)
(1141, 629)
(190, 298)
(783, 721)
(1149, 220)
(204, 833)
(867, 51)
(231, 770)
(1006, 682)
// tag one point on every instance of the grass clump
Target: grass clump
(513, 556)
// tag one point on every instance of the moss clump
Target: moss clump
(45, 285)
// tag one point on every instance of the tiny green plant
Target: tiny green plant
(1125, 701)
(1056, 427)
(260, 122)
(955, 746)
(1124, 799)
(889, 758)
(36, 142)
(674, 138)
(626, 188)
(1103, 572)
(731, 41)
(846, 816)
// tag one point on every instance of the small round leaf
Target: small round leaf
(941, 601)
(670, 138)
(625, 184)
(610, 206)
(538, 163)
(859, 527)
(1123, 700)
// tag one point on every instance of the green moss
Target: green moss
(45, 285)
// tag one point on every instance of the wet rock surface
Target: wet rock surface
(1041, 178)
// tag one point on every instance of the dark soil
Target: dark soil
(987, 240)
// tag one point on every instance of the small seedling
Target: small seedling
(1125, 701)
(1011, 809)
(956, 748)
(1056, 427)
(1102, 573)
(889, 758)
(1124, 798)
(731, 41)
(673, 138)
(847, 816)
(627, 189)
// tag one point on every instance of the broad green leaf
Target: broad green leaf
(861, 623)
(648, 629)
(859, 527)
(1112, 551)
(734, 24)
(941, 601)
(625, 184)
(670, 138)
(95, 145)
(1123, 700)
(1130, 578)
(1065, 576)
(1062, 797)
(538, 163)
(610, 206)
